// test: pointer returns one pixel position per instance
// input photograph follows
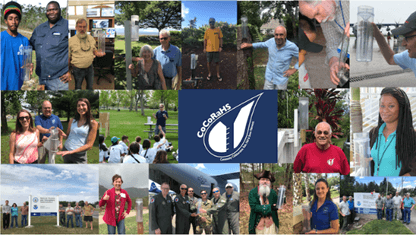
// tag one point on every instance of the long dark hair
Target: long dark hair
(161, 157)
(19, 127)
(405, 134)
(88, 114)
(101, 139)
(328, 194)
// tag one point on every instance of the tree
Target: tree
(192, 23)
(105, 98)
(251, 9)
(10, 104)
(34, 99)
(166, 97)
(64, 102)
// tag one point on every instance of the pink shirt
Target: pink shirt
(26, 148)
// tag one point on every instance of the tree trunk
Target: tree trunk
(141, 102)
(252, 170)
(4, 127)
(245, 71)
(308, 194)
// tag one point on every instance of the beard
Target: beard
(81, 35)
(264, 190)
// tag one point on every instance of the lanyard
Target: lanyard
(342, 12)
(382, 155)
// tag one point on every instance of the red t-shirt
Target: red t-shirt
(311, 159)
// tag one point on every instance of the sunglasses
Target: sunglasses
(408, 37)
(184, 189)
(164, 38)
(216, 191)
(229, 187)
(320, 132)
(203, 193)
(191, 191)
(23, 118)
(212, 22)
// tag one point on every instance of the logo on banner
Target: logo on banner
(226, 138)
(35, 199)
(35, 207)
(359, 203)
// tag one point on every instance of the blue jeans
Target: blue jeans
(24, 218)
(15, 219)
(80, 74)
(407, 214)
(379, 213)
(389, 214)
(121, 229)
(54, 84)
(78, 220)
(69, 217)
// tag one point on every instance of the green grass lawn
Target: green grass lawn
(339, 142)
(46, 225)
(131, 225)
(259, 73)
(382, 227)
(132, 125)
(5, 145)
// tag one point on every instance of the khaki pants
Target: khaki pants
(270, 230)
(175, 81)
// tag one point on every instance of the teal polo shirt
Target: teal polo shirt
(384, 154)
(408, 202)
(322, 218)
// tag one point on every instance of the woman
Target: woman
(149, 69)
(24, 140)
(324, 213)
(161, 157)
(81, 134)
(148, 153)
(115, 200)
(14, 214)
(393, 141)
(103, 155)
(134, 156)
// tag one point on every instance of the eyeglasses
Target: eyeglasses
(164, 38)
(203, 193)
(278, 35)
(229, 187)
(216, 191)
(165, 188)
(320, 132)
(23, 118)
(191, 191)
(184, 189)
(407, 38)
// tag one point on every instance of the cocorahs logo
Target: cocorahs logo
(35, 199)
(358, 203)
(227, 131)
(331, 161)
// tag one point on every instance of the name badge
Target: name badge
(56, 34)
(123, 195)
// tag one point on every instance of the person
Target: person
(262, 199)
(45, 123)
(134, 156)
(351, 207)
(88, 212)
(116, 151)
(161, 116)
(324, 213)
(12, 43)
(384, 202)
(82, 52)
(393, 141)
(139, 140)
(281, 51)
(62, 215)
(24, 140)
(334, 17)
(148, 153)
(78, 215)
(166, 145)
(182, 208)
(232, 208)
(170, 58)
(344, 210)
(397, 200)
(407, 58)
(69, 215)
(81, 134)
(380, 207)
(148, 70)
(161, 157)
(115, 200)
(103, 154)
(409, 204)
(388, 38)
(159, 143)
(194, 209)
(204, 220)
(219, 216)
(213, 46)
(389, 208)
(161, 211)
(24, 211)
(321, 156)
(125, 143)
(6, 209)
(50, 41)
(14, 213)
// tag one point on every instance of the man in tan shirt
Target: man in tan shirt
(24, 210)
(82, 52)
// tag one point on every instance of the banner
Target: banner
(365, 203)
(44, 206)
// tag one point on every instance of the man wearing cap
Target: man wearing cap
(407, 58)
(281, 52)
(213, 47)
(263, 211)
(161, 211)
(219, 215)
(232, 207)
(116, 151)
(50, 41)
(409, 203)
(161, 116)
(183, 211)
(12, 44)
(204, 221)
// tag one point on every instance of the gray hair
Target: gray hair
(330, 128)
(408, 194)
(146, 48)
(80, 20)
(164, 31)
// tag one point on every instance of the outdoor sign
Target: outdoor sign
(365, 203)
(110, 33)
(43, 206)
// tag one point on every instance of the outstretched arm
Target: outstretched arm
(382, 44)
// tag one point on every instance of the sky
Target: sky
(221, 10)
(219, 169)
(133, 175)
(409, 182)
(69, 182)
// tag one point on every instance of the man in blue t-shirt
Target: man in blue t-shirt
(45, 123)
(12, 44)
(161, 116)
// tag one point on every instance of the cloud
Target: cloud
(200, 166)
(185, 11)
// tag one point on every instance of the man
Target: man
(78, 215)
(12, 44)
(281, 52)
(409, 203)
(182, 208)
(81, 55)
(407, 58)
(166, 146)
(204, 221)
(88, 212)
(219, 215)
(397, 200)
(263, 211)
(161, 211)
(384, 202)
(62, 215)
(232, 208)
(125, 143)
(351, 207)
(45, 123)
(170, 58)
(116, 151)
(139, 140)
(25, 210)
(69, 215)
(161, 116)
(321, 156)
(213, 47)
(50, 40)
(380, 207)
(389, 208)
(6, 209)
(192, 201)
(344, 210)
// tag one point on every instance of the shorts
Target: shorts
(213, 56)
(88, 218)
(79, 158)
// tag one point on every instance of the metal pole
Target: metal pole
(139, 216)
(57, 206)
(30, 212)
(296, 129)
(127, 39)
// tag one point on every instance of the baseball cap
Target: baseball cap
(211, 19)
(409, 26)
(229, 185)
(114, 139)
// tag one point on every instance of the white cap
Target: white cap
(229, 185)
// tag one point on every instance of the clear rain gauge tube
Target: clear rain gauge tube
(365, 17)
(101, 42)
(362, 154)
(27, 63)
(343, 56)
(244, 27)
(281, 197)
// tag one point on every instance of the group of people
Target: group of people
(346, 209)
(390, 207)
(13, 213)
(220, 215)
(26, 141)
(87, 211)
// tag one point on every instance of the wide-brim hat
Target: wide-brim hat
(265, 174)
(409, 26)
